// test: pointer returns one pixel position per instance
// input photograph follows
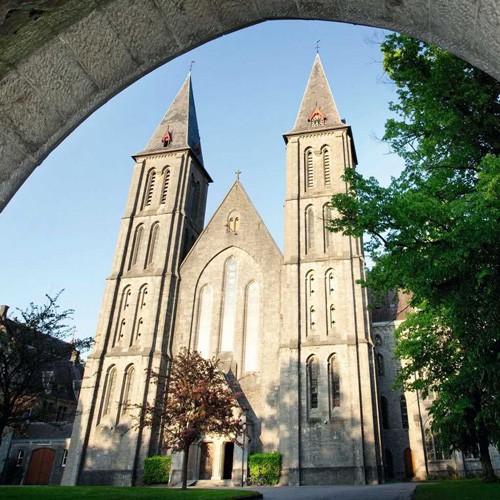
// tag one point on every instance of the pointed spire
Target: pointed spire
(179, 127)
(318, 108)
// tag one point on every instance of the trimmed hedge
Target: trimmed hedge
(265, 467)
(156, 470)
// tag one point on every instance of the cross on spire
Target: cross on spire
(317, 46)
(191, 66)
(238, 172)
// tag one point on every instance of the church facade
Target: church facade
(292, 327)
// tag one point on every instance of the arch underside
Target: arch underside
(62, 60)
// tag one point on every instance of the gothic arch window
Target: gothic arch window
(252, 330)
(205, 305)
(127, 387)
(109, 390)
(327, 234)
(380, 365)
(153, 240)
(166, 182)
(330, 282)
(139, 310)
(434, 448)
(310, 283)
(326, 166)
(122, 313)
(384, 408)
(331, 318)
(378, 340)
(233, 222)
(334, 382)
(404, 412)
(309, 226)
(312, 381)
(309, 170)
(149, 189)
(229, 307)
(136, 245)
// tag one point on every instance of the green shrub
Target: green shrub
(156, 470)
(265, 467)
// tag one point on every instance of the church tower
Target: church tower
(329, 425)
(163, 217)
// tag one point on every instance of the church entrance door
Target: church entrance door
(228, 460)
(40, 466)
(408, 459)
(206, 460)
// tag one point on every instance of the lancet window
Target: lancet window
(384, 408)
(404, 412)
(166, 182)
(309, 169)
(136, 245)
(310, 283)
(327, 234)
(378, 340)
(153, 240)
(334, 381)
(326, 166)
(229, 309)
(252, 330)
(122, 314)
(233, 222)
(149, 189)
(127, 386)
(139, 321)
(109, 390)
(380, 365)
(312, 381)
(309, 226)
(205, 304)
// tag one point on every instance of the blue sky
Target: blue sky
(60, 229)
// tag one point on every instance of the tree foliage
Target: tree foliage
(434, 232)
(196, 402)
(31, 341)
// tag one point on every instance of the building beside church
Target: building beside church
(293, 326)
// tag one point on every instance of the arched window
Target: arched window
(109, 391)
(205, 303)
(309, 225)
(334, 381)
(229, 309)
(378, 340)
(384, 408)
(121, 332)
(310, 283)
(127, 388)
(380, 365)
(233, 222)
(252, 330)
(153, 240)
(330, 282)
(404, 412)
(138, 318)
(327, 234)
(149, 189)
(166, 182)
(309, 169)
(312, 381)
(122, 313)
(434, 448)
(326, 166)
(312, 317)
(332, 315)
(139, 230)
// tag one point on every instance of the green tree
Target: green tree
(434, 232)
(196, 401)
(30, 341)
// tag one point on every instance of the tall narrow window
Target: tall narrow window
(252, 316)
(109, 391)
(380, 365)
(229, 311)
(326, 166)
(332, 315)
(205, 321)
(122, 314)
(233, 222)
(309, 223)
(384, 407)
(153, 240)
(149, 189)
(327, 234)
(309, 169)
(128, 383)
(312, 317)
(334, 381)
(136, 245)
(166, 182)
(64, 459)
(404, 412)
(139, 311)
(310, 284)
(196, 200)
(378, 340)
(312, 381)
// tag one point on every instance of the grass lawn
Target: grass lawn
(460, 489)
(114, 493)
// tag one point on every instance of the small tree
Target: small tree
(196, 401)
(29, 343)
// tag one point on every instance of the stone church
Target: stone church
(292, 327)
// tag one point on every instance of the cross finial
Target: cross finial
(191, 66)
(317, 46)
(238, 172)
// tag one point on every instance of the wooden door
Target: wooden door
(206, 460)
(40, 466)
(408, 459)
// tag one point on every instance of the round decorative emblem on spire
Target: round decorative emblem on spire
(316, 118)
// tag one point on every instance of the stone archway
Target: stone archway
(61, 60)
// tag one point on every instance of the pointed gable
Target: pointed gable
(179, 127)
(318, 108)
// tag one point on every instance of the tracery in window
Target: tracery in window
(109, 391)
(149, 189)
(252, 330)
(166, 182)
(312, 381)
(229, 308)
(153, 240)
(334, 381)
(404, 412)
(326, 166)
(309, 170)
(205, 304)
(136, 245)
(384, 407)
(380, 365)
(309, 228)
